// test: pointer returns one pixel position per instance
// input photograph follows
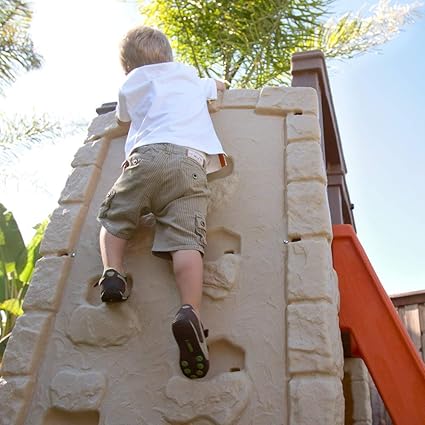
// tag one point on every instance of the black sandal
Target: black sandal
(191, 340)
(114, 287)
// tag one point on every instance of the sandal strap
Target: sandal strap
(205, 331)
(111, 273)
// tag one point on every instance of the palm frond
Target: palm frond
(353, 34)
(16, 47)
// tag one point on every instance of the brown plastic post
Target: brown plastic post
(309, 70)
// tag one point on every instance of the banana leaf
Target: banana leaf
(12, 306)
(33, 249)
(13, 252)
(17, 263)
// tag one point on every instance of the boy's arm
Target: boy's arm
(212, 87)
(214, 101)
(221, 86)
(122, 124)
(118, 129)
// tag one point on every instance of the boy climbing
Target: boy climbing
(170, 148)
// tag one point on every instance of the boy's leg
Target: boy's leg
(112, 251)
(180, 208)
(120, 212)
(187, 327)
(188, 271)
(114, 287)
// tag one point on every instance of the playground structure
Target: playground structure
(375, 333)
(271, 293)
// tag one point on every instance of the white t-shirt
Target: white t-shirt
(167, 103)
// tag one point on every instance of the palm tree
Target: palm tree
(250, 43)
(16, 260)
(17, 55)
(16, 47)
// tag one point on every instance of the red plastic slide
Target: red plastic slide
(376, 332)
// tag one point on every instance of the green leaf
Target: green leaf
(12, 246)
(12, 306)
(33, 252)
(2, 285)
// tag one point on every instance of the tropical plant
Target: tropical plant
(16, 268)
(353, 34)
(17, 54)
(16, 47)
(26, 129)
(19, 133)
(250, 43)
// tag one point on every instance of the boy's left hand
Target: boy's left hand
(221, 85)
(94, 137)
(119, 129)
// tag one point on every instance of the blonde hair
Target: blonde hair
(144, 46)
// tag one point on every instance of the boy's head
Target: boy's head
(144, 46)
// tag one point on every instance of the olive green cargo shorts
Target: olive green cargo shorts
(169, 181)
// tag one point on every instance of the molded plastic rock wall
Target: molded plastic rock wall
(271, 299)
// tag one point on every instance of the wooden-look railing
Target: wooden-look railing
(411, 309)
(309, 70)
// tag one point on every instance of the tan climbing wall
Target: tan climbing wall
(270, 292)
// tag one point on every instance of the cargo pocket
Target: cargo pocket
(106, 204)
(201, 229)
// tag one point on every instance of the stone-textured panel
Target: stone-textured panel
(221, 276)
(362, 409)
(285, 100)
(92, 153)
(80, 184)
(305, 162)
(356, 381)
(63, 229)
(222, 191)
(26, 343)
(313, 330)
(302, 128)
(14, 394)
(308, 210)
(101, 122)
(310, 273)
(239, 99)
(314, 348)
(316, 401)
(357, 369)
(45, 290)
(75, 390)
(103, 326)
(220, 400)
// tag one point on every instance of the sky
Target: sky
(379, 100)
